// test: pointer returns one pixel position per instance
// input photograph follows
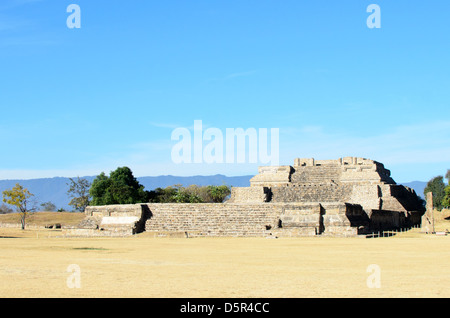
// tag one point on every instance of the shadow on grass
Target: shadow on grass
(90, 248)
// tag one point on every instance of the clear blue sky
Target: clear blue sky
(82, 101)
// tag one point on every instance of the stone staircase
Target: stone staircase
(213, 219)
(317, 174)
(311, 193)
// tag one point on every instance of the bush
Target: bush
(436, 186)
(190, 194)
(4, 209)
(121, 187)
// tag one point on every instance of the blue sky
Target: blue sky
(82, 101)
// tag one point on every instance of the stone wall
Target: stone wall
(343, 170)
(316, 174)
(272, 176)
(118, 210)
(213, 219)
(111, 220)
(367, 195)
(226, 219)
(249, 194)
(258, 220)
(19, 226)
(311, 193)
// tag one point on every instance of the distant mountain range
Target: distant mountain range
(418, 186)
(55, 189)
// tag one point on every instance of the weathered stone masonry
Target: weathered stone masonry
(349, 180)
(343, 197)
(224, 219)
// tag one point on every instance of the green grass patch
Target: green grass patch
(90, 248)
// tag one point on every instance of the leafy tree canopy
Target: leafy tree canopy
(446, 200)
(79, 192)
(190, 194)
(436, 186)
(121, 187)
(19, 197)
(48, 206)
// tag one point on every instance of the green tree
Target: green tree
(48, 206)
(446, 200)
(218, 193)
(187, 195)
(4, 209)
(19, 197)
(79, 192)
(121, 187)
(175, 194)
(125, 188)
(162, 195)
(437, 187)
(99, 190)
(190, 194)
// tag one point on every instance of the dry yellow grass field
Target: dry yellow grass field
(43, 218)
(34, 263)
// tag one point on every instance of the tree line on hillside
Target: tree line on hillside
(120, 187)
(20, 198)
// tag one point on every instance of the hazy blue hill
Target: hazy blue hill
(45, 189)
(151, 183)
(418, 186)
(55, 189)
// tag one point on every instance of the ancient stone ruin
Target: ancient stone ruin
(343, 197)
(427, 225)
